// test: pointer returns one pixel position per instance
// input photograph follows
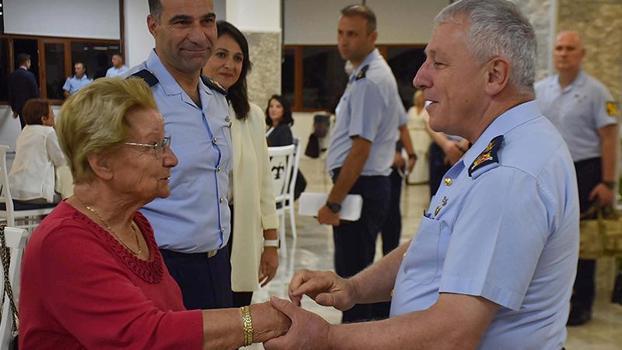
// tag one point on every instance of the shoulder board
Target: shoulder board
(147, 76)
(213, 85)
(362, 73)
(488, 159)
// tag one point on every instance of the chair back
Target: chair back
(281, 166)
(5, 193)
(15, 239)
(294, 175)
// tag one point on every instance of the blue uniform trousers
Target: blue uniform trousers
(355, 242)
(205, 282)
(589, 174)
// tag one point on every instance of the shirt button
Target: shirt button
(218, 169)
(214, 140)
(222, 199)
(448, 181)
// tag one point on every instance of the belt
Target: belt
(174, 254)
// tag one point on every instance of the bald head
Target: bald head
(568, 53)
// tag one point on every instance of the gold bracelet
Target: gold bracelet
(247, 325)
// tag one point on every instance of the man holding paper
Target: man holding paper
(361, 148)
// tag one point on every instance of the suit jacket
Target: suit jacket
(254, 208)
(22, 87)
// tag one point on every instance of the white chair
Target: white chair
(15, 239)
(27, 217)
(289, 204)
(281, 166)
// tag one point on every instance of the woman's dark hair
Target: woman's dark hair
(34, 109)
(287, 111)
(238, 92)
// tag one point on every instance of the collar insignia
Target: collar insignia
(488, 156)
(362, 73)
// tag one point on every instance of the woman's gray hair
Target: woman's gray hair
(497, 28)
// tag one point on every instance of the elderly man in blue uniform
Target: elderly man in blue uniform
(192, 225)
(586, 115)
(361, 148)
(493, 261)
(76, 82)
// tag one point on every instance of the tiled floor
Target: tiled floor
(313, 249)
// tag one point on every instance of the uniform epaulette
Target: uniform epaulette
(213, 85)
(362, 73)
(147, 76)
(488, 159)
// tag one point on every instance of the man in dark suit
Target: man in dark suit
(22, 87)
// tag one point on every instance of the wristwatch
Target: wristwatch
(334, 207)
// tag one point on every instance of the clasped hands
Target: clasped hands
(308, 330)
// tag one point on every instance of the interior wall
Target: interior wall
(399, 21)
(66, 18)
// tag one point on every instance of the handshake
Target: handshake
(287, 326)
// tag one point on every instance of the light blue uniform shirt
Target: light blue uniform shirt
(73, 84)
(578, 111)
(115, 72)
(369, 108)
(509, 233)
(195, 218)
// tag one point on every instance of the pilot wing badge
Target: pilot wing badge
(488, 159)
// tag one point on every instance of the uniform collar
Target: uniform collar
(368, 59)
(166, 80)
(578, 81)
(84, 77)
(507, 121)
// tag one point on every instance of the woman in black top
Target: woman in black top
(279, 121)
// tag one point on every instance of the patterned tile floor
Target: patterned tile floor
(313, 249)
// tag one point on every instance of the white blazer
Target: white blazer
(37, 153)
(254, 208)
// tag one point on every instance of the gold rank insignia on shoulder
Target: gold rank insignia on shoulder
(612, 108)
(362, 73)
(488, 156)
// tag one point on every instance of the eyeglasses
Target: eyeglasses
(158, 147)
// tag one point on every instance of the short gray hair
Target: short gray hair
(498, 28)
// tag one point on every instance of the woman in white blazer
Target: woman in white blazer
(254, 240)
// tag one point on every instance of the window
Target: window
(324, 77)
(313, 77)
(96, 57)
(4, 68)
(405, 62)
(288, 73)
(52, 60)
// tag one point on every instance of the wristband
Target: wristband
(271, 243)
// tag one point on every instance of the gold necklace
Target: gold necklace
(92, 210)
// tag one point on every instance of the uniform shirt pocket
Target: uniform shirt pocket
(421, 263)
